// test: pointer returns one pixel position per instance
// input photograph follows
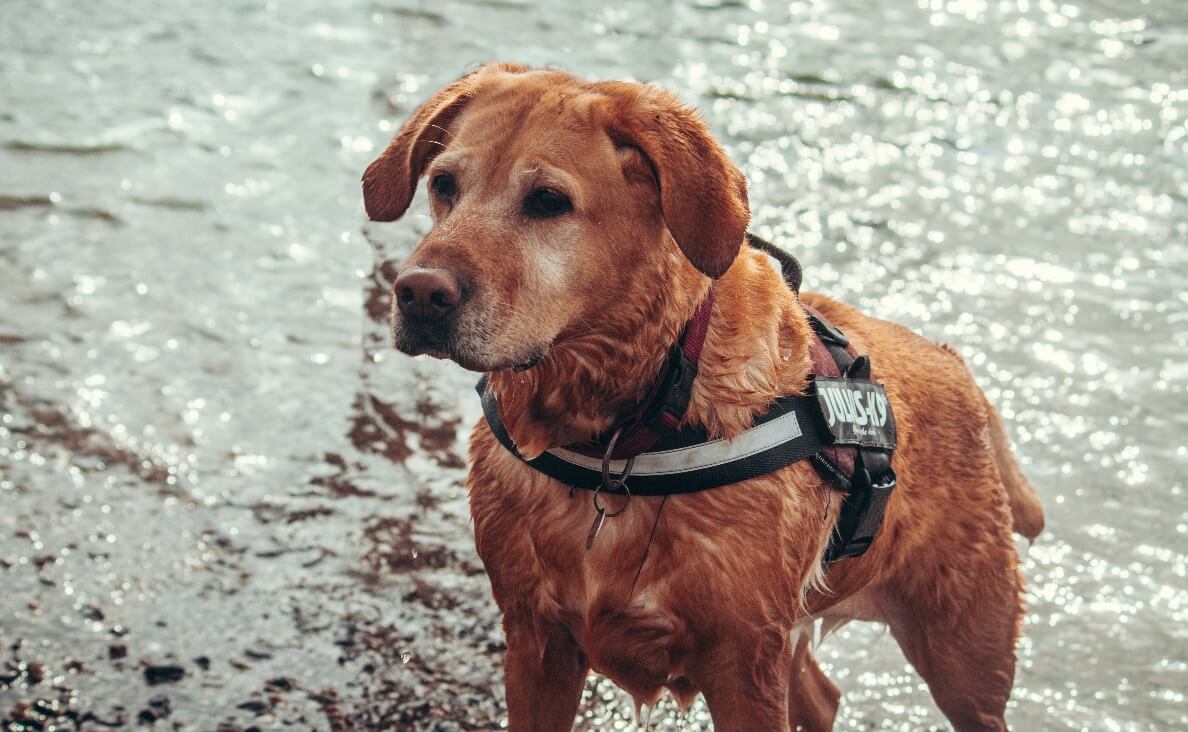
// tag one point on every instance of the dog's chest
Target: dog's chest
(623, 618)
(588, 559)
(532, 535)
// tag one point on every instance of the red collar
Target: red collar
(663, 410)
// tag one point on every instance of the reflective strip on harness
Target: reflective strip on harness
(714, 453)
(688, 461)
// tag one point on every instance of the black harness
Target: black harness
(844, 424)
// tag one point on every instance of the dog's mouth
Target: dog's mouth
(529, 363)
(479, 364)
(469, 358)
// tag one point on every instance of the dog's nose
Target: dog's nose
(426, 294)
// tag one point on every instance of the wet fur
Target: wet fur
(732, 578)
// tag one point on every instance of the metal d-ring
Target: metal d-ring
(614, 485)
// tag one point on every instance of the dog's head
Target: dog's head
(551, 199)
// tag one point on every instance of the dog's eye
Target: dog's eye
(545, 203)
(444, 186)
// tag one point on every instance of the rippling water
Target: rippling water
(224, 499)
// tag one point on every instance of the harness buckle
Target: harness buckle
(873, 496)
(828, 331)
(672, 399)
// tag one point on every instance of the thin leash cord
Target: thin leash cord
(648, 546)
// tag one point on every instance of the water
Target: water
(212, 464)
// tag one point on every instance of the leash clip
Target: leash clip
(612, 485)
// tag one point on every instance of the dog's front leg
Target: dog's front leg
(746, 682)
(544, 671)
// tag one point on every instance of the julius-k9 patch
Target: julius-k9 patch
(857, 412)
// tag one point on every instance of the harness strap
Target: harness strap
(864, 473)
(687, 461)
(789, 265)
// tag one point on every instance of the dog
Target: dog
(578, 229)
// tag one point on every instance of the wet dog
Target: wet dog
(577, 228)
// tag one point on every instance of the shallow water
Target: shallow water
(224, 499)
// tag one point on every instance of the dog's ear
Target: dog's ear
(703, 196)
(391, 180)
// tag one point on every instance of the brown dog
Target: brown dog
(577, 227)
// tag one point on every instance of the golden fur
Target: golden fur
(730, 580)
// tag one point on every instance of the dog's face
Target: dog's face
(550, 198)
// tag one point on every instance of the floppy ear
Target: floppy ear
(703, 196)
(391, 180)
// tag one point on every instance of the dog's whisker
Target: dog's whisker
(451, 134)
